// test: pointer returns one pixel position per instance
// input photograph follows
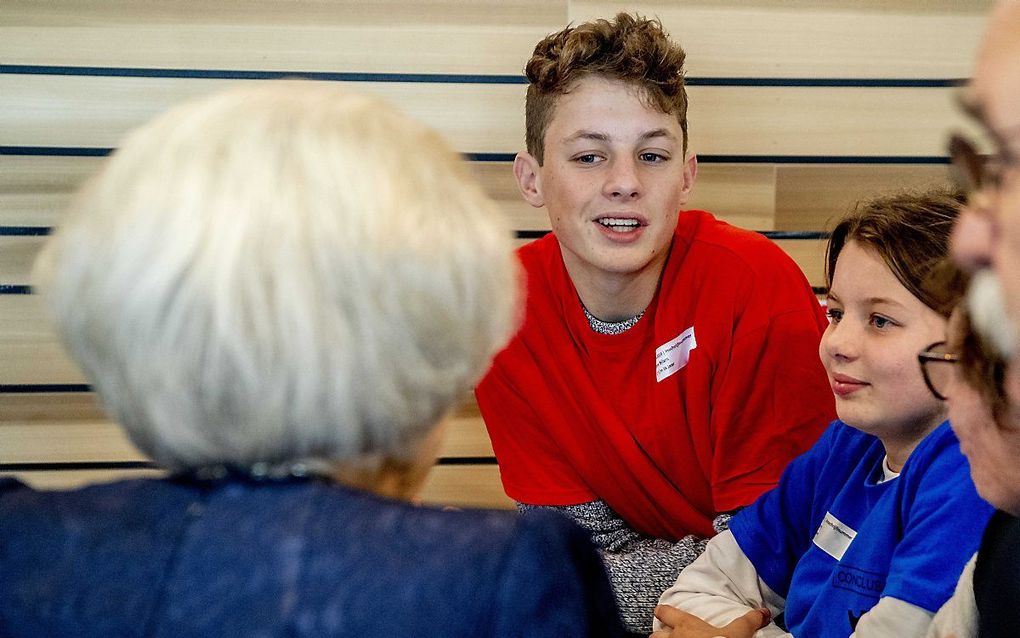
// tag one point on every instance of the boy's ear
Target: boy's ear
(690, 174)
(529, 180)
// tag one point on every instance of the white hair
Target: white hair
(284, 271)
(987, 309)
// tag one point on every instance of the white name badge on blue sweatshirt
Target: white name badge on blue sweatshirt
(834, 536)
(672, 356)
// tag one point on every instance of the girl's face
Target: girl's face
(870, 348)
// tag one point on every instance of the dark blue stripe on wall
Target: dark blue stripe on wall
(59, 151)
(769, 234)
(229, 74)
(24, 231)
(149, 465)
(43, 388)
(861, 83)
(466, 460)
(822, 159)
(490, 157)
(15, 289)
(521, 234)
(450, 78)
(77, 465)
(77, 151)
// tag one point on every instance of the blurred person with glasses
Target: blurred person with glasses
(986, 241)
(968, 374)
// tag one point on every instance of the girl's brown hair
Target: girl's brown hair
(910, 232)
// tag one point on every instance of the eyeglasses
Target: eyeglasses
(937, 368)
(973, 171)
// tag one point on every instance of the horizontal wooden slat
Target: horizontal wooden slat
(779, 38)
(30, 351)
(71, 479)
(67, 407)
(473, 118)
(103, 441)
(34, 191)
(18, 253)
(65, 442)
(461, 486)
(816, 197)
(98, 111)
(466, 486)
(809, 255)
(808, 38)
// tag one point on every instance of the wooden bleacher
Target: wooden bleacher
(798, 109)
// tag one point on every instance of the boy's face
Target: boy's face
(613, 182)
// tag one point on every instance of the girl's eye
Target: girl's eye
(834, 314)
(881, 322)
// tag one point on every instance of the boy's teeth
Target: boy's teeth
(612, 221)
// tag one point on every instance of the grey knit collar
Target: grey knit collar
(610, 327)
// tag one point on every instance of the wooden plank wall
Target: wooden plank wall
(798, 108)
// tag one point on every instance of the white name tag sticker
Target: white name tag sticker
(834, 536)
(672, 356)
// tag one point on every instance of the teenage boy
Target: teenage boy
(667, 368)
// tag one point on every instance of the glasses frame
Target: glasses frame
(930, 355)
(973, 171)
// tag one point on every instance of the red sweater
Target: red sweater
(694, 411)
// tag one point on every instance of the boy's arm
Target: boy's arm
(640, 568)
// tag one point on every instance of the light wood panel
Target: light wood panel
(73, 479)
(809, 255)
(42, 110)
(98, 111)
(30, 352)
(16, 257)
(459, 486)
(103, 441)
(815, 197)
(68, 407)
(830, 39)
(424, 36)
(466, 486)
(65, 442)
(849, 38)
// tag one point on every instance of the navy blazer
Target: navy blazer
(300, 557)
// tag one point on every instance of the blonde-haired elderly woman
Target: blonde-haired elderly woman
(281, 291)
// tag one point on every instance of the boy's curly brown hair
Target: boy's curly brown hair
(628, 48)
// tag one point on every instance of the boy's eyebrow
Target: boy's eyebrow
(659, 132)
(585, 134)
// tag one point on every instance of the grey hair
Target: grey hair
(283, 271)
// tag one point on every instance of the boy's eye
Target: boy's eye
(834, 314)
(652, 157)
(588, 158)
